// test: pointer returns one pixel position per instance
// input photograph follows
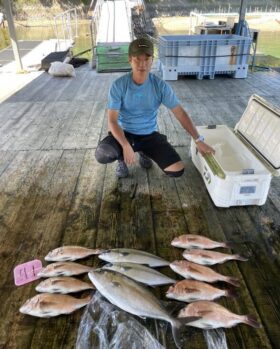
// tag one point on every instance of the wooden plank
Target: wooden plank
(20, 247)
(43, 228)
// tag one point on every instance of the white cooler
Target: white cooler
(246, 158)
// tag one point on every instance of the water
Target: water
(82, 42)
(215, 339)
(268, 47)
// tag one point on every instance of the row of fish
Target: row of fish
(119, 280)
(59, 277)
(54, 299)
(195, 288)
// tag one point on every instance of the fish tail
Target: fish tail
(241, 258)
(252, 321)
(232, 280)
(228, 244)
(231, 293)
(177, 326)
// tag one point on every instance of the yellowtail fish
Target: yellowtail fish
(197, 241)
(133, 298)
(140, 273)
(63, 269)
(194, 271)
(132, 256)
(213, 315)
(206, 257)
(48, 305)
(70, 253)
(192, 290)
(63, 284)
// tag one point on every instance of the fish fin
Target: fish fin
(58, 265)
(231, 293)
(46, 304)
(252, 321)
(204, 312)
(126, 268)
(190, 290)
(55, 282)
(233, 281)
(194, 270)
(205, 256)
(228, 244)
(241, 258)
(188, 319)
(125, 254)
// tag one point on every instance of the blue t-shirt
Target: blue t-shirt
(138, 104)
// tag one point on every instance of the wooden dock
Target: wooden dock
(53, 193)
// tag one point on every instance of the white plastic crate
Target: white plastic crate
(240, 172)
(203, 55)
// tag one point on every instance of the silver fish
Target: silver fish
(140, 273)
(63, 269)
(70, 253)
(197, 241)
(191, 270)
(132, 256)
(63, 284)
(214, 315)
(133, 298)
(192, 290)
(49, 305)
(205, 257)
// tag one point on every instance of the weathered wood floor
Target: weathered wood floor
(53, 193)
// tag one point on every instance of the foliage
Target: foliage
(4, 38)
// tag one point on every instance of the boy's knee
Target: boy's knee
(105, 153)
(174, 174)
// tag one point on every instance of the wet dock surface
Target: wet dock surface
(53, 193)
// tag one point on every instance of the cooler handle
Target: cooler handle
(215, 166)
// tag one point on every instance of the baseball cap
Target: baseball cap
(140, 46)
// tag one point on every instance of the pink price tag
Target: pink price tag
(27, 272)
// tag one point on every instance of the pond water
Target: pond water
(82, 41)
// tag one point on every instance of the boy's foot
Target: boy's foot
(144, 161)
(122, 170)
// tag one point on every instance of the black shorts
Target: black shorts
(154, 145)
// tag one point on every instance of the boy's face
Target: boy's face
(141, 64)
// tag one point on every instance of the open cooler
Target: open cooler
(246, 158)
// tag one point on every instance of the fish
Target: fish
(132, 256)
(140, 273)
(63, 284)
(192, 290)
(197, 241)
(133, 298)
(63, 269)
(70, 253)
(47, 305)
(194, 271)
(205, 257)
(213, 315)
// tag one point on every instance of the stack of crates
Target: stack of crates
(112, 57)
(204, 55)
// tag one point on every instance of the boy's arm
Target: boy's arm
(185, 120)
(117, 132)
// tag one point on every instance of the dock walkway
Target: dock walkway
(54, 193)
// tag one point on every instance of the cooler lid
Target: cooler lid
(259, 126)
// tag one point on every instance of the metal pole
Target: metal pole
(242, 12)
(12, 31)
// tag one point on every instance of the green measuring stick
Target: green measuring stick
(214, 165)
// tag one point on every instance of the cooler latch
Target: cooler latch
(248, 171)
